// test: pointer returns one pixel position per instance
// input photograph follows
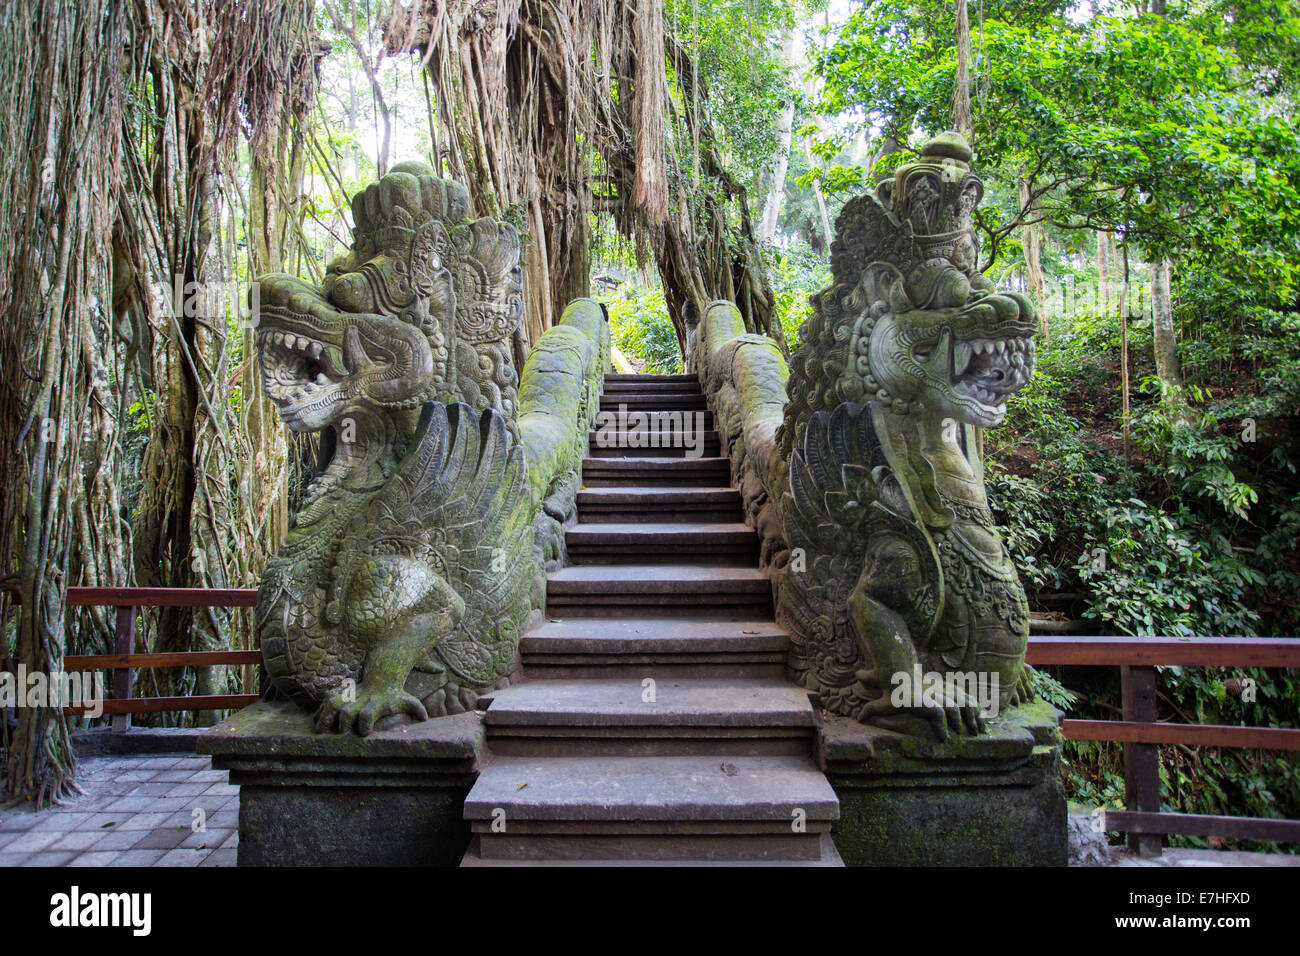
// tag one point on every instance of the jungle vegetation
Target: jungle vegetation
(1142, 161)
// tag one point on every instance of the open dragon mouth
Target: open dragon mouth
(298, 373)
(988, 371)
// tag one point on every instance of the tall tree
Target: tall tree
(61, 73)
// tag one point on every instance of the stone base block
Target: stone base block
(395, 798)
(994, 800)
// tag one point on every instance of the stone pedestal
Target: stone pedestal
(989, 801)
(395, 798)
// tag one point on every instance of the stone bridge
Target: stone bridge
(562, 615)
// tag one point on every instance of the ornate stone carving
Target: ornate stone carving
(404, 582)
(896, 567)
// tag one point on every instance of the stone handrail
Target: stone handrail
(559, 397)
(743, 376)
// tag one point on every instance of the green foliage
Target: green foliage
(1157, 572)
(1153, 125)
(1167, 543)
(797, 273)
(640, 328)
(736, 45)
(1050, 689)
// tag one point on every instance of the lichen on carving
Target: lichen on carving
(404, 583)
(896, 564)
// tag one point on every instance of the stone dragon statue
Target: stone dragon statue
(404, 582)
(897, 568)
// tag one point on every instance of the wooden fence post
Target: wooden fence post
(1141, 761)
(123, 679)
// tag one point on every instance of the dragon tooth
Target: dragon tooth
(961, 356)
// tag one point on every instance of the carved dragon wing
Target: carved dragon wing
(842, 493)
(457, 502)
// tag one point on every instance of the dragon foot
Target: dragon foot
(344, 711)
(939, 711)
(1023, 692)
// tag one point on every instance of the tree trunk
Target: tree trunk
(1032, 241)
(61, 157)
(1123, 354)
(961, 111)
(1164, 334)
(784, 136)
(1103, 273)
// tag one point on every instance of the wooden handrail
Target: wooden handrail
(124, 661)
(154, 705)
(1195, 735)
(108, 662)
(1159, 651)
(162, 597)
(1142, 733)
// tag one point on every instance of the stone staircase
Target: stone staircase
(656, 725)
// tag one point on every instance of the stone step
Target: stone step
(640, 590)
(652, 401)
(651, 809)
(610, 542)
(656, 472)
(640, 715)
(830, 856)
(665, 442)
(670, 391)
(651, 381)
(582, 648)
(626, 504)
(653, 419)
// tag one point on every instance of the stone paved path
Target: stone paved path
(138, 810)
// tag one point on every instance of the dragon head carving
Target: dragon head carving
(421, 309)
(909, 320)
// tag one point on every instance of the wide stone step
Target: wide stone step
(651, 809)
(830, 856)
(638, 542)
(626, 505)
(653, 401)
(641, 715)
(641, 590)
(669, 392)
(652, 420)
(619, 380)
(583, 648)
(658, 442)
(655, 472)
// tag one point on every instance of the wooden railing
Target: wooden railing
(124, 662)
(1141, 733)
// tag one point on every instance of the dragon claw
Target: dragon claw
(954, 716)
(366, 709)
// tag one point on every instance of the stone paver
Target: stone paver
(137, 810)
